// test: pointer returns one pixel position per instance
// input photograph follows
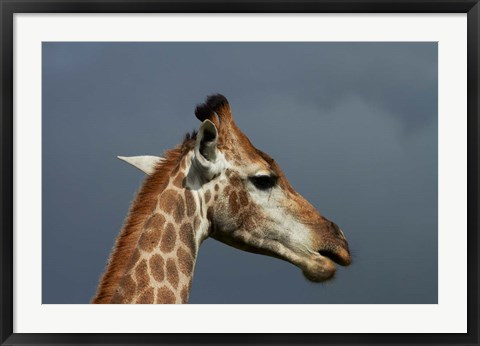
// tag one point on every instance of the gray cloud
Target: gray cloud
(353, 125)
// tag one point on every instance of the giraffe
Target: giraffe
(214, 184)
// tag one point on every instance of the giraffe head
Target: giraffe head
(249, 202)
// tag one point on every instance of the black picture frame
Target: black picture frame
(10, 7)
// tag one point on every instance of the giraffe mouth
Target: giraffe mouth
(341, 257)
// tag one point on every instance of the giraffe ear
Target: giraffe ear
(145, 163)
(206, 148)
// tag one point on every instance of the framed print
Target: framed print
(303, 173)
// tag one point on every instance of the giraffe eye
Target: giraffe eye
(264, 182)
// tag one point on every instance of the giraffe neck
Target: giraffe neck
(161, 267)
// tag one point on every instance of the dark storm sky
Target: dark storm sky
(353, 126)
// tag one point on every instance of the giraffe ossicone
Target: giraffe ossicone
(214, 184)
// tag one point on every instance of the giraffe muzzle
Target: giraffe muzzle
(335, 245)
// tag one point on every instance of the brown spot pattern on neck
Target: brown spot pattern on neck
(141, 209)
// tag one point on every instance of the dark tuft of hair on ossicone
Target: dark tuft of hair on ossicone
(213, 106)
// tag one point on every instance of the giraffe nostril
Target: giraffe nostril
(337, 231)
(341, 235)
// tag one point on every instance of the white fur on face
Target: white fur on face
(281, 224)
(277, 224)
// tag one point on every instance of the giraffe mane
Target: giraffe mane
(140, 209)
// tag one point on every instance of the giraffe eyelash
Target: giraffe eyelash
(264, 182)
